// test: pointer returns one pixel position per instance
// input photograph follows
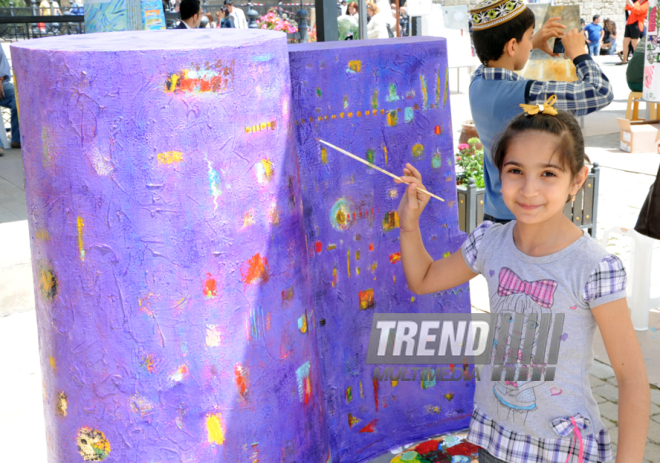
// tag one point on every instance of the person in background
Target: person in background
(634, 25)
(377, 25)
(594, 34)
(226, 21)
(236, 14)
(609, 39)
(343, 5)
(635, 70)
(76, 10)
(404, 22)
(352, 9)
(191, 14)
(8, 100)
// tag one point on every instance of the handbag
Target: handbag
(648, 223)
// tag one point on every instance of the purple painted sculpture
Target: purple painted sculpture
(388, 102)
(173, 296)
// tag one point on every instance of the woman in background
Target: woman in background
(377, 25)
(609, 39)
(227, 22)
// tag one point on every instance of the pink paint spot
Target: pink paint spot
(648, 76)
(555, 391)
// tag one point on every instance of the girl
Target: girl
(543, 268)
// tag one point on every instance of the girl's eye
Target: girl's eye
(515, 171)
(549, 174)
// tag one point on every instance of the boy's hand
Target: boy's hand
(413, 201)
(552, 28)
(574, 43)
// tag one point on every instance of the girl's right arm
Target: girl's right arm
(423, 274)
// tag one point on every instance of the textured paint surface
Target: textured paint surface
(352, 227)
(113, 15)
(177, 337)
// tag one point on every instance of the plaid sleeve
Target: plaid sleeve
(606, 283)
(470, 248)
(590, 93)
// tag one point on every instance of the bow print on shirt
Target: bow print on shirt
(540, 291)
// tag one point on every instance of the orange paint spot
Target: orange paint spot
(371, 246)
(256, 267)
(210, 289)
(334, 277)
(241, 379)
(366, 298)
(148, 362)
(319, 246)
(438, 130)
(394, 258)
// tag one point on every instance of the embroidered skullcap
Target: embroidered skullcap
(491, 13)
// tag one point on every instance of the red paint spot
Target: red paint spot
(319, 246)
(375, 394)
(367, 300)
(256, 267)
(372, 212)
(210, 288)
(451, 368)
(353, 215)
(241, 380)
(427, 447)
(287, 295)
(371, 247)
(438, 130)
(394, 258)
(464, 448)
(371, 427)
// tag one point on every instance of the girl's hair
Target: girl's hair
(352, 4)
(570, 143)
(610, 26)
(373, 6)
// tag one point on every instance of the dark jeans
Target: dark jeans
(490, 218)
(9, 102)
(485, 457)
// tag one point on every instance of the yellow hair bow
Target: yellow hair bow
(545, 108)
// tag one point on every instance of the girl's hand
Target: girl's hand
(413, 201)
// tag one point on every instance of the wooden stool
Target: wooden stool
(632, 110)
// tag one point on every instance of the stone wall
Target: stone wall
(612, 9)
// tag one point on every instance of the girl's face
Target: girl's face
(535, 184)
(352, 10)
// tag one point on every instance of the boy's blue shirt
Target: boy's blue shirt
(495, 98)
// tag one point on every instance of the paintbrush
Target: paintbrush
(376, 167)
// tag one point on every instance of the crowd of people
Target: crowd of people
(381, 19)
(228, 16)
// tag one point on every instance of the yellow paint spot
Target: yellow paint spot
(385, 150)
(357, 270)
(334, 117)
(331, 247)
(216, 433)
(62, 404)
(357, 255)
(361, 392)
(175, 77)
(350, 114)
(417, 150)
(373, 266)
(446, 254)
(334, 277)
(248, 218)
(394, 383)
(42, 235)
(412, 299)
(348, 262)
(324, 155)
(302, 323)
(268, 168)
(341, 115)
(53, 365)
(81, 225)
(359, 114)
(355, 66)
(170, 157)
(367, 112)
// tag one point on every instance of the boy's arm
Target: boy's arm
(590, 93)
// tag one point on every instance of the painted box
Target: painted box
(172, 292)
(386, 101)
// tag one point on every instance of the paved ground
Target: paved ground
(624, 183)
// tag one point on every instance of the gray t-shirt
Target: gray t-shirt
(529, 419)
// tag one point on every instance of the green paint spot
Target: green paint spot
(374, 100)
(345, 102)
(392, 96)
(425, 92)
(370, 156)
(437, 89)
(318, 91)
(444, 102)
(436, 161)
(409, 114)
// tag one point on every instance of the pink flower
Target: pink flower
(463, 146)
(458, 158)
(263, 26)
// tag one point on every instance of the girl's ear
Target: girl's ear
(579, 180)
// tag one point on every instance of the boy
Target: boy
(502, 35)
